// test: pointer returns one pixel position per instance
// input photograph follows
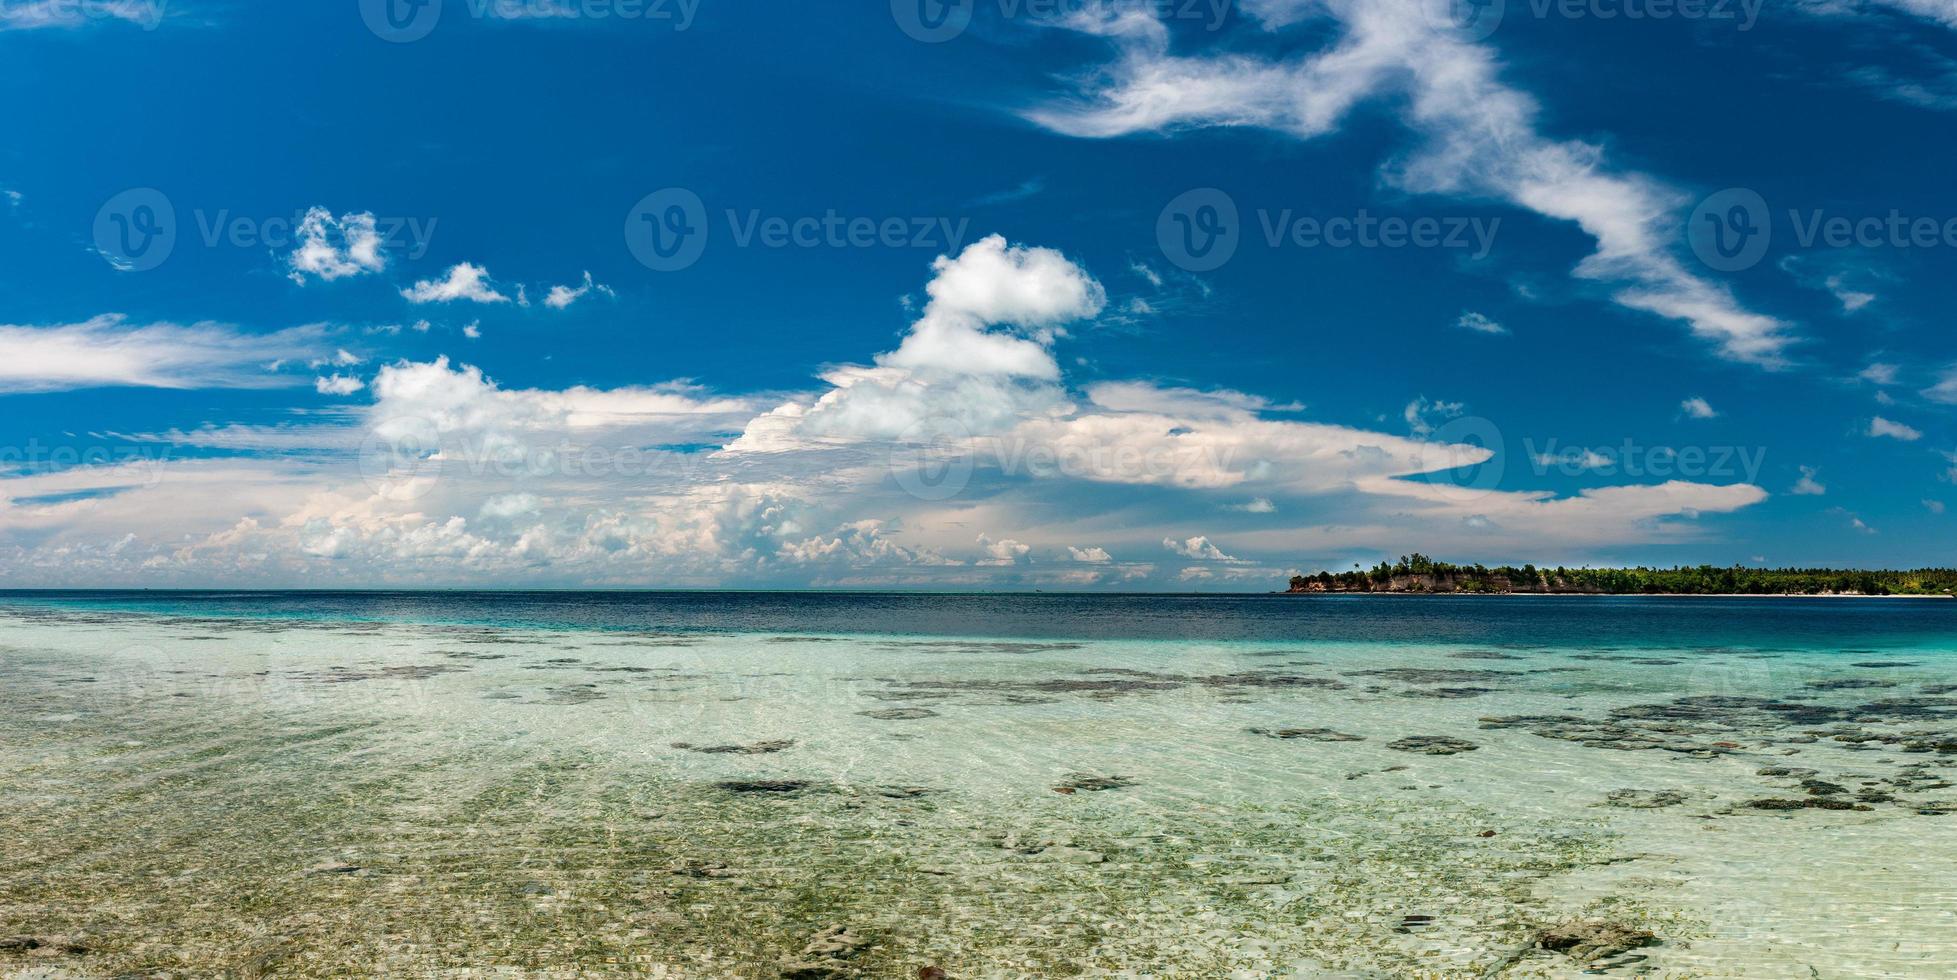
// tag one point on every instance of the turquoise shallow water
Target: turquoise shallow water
(702, 785)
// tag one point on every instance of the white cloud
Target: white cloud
(447, 477)
(1422, 414)
(1480, 138)
(1005, 551)
(1197, 548)
(1880, 427)
(1807, 485)
(1697, 408)
(27, 15)
(338, 384)
(465, 281)
(1479, 324)
(1933, 506)
(1945, 390)
(108, 351)
(472, 330)
(992, 284)
(1879, 374)
(335, 249)
(563, 296)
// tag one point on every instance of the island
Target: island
(1419, 574)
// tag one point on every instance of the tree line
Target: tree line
(1419, 573)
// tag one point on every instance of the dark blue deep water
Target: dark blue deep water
(1793, 623)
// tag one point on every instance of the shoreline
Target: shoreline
(1634, 595)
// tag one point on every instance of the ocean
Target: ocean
(791, 784)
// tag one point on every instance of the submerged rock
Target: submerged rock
(1078, 782)
(1644, 799)
(764, 785)
(1811, 803)
(1432, 745)
(824, 955)
(1314, 734)
(757, 748)
(1586, 940)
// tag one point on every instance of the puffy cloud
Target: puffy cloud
(993, 284)
(563, 296)
(109, 351)
(335, 249)
(1197, 548)
(1005, 551)
(1697, 408)
(1880, 427)
(1807, 485)
(1945, 390)
(465, 281)
(448, 477)
(1480, 137)
(338, 384)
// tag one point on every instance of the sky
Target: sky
(1178, 295)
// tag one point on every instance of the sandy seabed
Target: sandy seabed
(196, 797)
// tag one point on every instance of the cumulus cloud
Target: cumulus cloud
(1004, 551)
(1197, 548)
(1945, 390)
(332, 248)
(1479, 136)
(338, 384)
(446, 476)
(992, 284)
(109, 351)
(561, 297)
(464, 281)
(1807, 485)
(1697, 408)
(1880, 427)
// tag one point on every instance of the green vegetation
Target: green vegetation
(1419, 573)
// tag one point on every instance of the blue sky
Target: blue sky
(995, 294)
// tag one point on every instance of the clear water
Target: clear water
(700, 784)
